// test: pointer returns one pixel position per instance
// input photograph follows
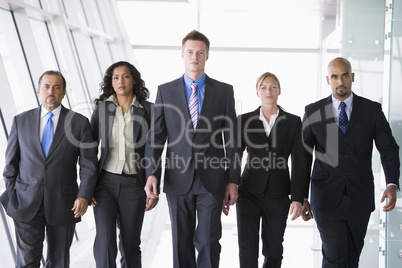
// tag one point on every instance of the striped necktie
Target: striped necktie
(47, 135)
(193, 104)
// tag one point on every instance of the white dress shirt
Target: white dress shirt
(268, 125)
(336, 107)
(44, 117)
(121, 155)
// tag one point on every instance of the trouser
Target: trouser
(251, 209)
(198, 204)
(342, 233)
(30, 237)
(120, 201)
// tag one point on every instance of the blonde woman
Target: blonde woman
(270, 135)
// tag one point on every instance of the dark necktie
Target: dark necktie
(193, 104)
(47, 135)
(343, 118)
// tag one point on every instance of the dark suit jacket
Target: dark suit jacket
(266, 169)
(31, 178)
(102, 125)
(345, 160)
(202, 150)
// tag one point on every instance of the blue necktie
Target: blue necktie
(343, 118)
(47, 136)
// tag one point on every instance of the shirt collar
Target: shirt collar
(271, 119)
(348, 101)
(200, 81)
(113, 99)
(56, 112)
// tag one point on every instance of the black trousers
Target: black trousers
(120, 202)
(198, 204)
(30, 237)
(342, 234)
(251, 208)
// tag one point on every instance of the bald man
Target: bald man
(340, 129)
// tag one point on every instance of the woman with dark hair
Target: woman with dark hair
(270, 136)
(120, 123)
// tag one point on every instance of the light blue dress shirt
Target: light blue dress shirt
(200, 90)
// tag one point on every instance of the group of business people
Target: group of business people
(194, 119)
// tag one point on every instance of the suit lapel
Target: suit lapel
(256, 124)
(109, 109)
(110, 112)
(179, 89)
(327, 113)
(35, 129)
(208, 97)
(138, 113)
(277, 128)
(356, 109)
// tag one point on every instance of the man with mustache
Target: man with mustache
(40, 173)
(341, 129)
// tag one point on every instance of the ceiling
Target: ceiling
(326, 8)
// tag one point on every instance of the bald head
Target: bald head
(340, 61)
(340, 78)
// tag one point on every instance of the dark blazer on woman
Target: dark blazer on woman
(267, 162)
(102, 125)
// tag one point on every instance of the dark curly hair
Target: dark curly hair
(106, 89)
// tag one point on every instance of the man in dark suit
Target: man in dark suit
(41, 175)
(191, 114)
(341, 130)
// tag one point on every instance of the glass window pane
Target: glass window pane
(7, 234)
(51, 5)
(92, 14)
(34, 3)
(89, 62)
(103, 53)
(225, 29)
(74, 11)
(13, 59)
(44, 45)
(182, 17)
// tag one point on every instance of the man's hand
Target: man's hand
(231, 196)
(93, 202)
(151, 187)
(295, 210)
(80, 207)
(306, 211)
(225, 208)
(150, 203)
(389, 193)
